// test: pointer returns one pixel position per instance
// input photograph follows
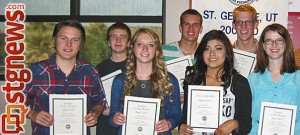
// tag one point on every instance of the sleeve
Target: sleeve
(29, 91)
(297, 123)
(117, 94)
(253, 80)
(29, 95)
(243, 104)
(174, 111)
(98, 94)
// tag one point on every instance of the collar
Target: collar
(54, 64)
(253, 51)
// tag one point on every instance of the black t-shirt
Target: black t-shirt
(108, 66)
(104, 68)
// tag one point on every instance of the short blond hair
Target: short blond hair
(245, 8)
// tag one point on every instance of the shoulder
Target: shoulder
(170, 45)
(86, 68)
(172, 77)
(297, 72)
(119, 81)
(239, 79)
(295, 75)
(120, 76)
(39, 67)
(254, 76)
(103, 63)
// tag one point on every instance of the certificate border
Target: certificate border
(281, 108)
(253, 57)
(219, 107)
(107, 77)
(128, 99)
(179, 60)
(81, 97)
(111, 75)
(184, 59)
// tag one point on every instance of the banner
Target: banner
(218, 14)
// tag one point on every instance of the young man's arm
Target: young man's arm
(92, 117)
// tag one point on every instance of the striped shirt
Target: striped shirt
(172, 51)
(48, 78)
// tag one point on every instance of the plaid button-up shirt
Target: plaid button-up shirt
(47, 78)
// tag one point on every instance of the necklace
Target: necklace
(143, 83)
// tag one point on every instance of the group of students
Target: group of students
(142, 57)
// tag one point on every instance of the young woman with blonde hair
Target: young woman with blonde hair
(146, 76)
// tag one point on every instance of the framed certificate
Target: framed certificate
(244, 62)
(107, 83)
(68, 112)
(178, 66)
(277, 119)
(204, 111)
(141, 115)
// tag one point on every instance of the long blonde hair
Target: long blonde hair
(159, 77)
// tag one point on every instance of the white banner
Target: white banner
(218, 14)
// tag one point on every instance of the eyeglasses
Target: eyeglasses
(271, 42)
(240, 23)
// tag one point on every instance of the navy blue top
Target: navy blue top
(172, 110)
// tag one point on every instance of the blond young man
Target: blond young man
(245, 22)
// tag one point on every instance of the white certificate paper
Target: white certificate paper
(277, 119)
(141, 115)
(178, 67)
(68, 111)
(244, 62)
(107, 83)
(204, 112)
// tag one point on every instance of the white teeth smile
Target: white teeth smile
(213, 59)
(274, 50)
(244, 31)
(67, 50)
(145, 55)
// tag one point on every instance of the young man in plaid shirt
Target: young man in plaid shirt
(63, 74)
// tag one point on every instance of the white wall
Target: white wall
(174, 8)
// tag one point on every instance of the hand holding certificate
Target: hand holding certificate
(141, 115)
(68, 112)
(277, 119)
(204, 107)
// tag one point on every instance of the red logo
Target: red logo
(16, 75)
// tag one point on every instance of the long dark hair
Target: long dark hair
(195, 75)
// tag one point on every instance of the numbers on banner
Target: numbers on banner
(228, 29)
(231, 30)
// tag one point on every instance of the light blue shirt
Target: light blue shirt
(264, 89)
